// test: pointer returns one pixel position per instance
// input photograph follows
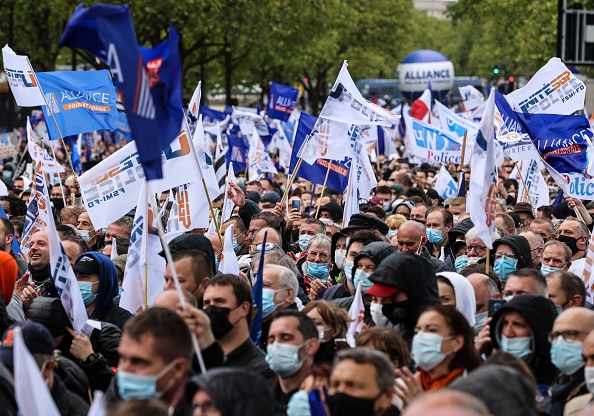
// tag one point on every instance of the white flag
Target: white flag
(229, 262)
(22, 79)
(534, 181)
(327, 140)
(259, 161)
(357, 314)
(445, 185)
(32, 395)
(98, 407)
(145, 246)
(481, 201)
(189, 210)
(193, 109)
(212, 228)
(346, 104)
(220, 164)
(38, 211)
(228, 204)
(351, 205)
(471, 97)
(366, 179)
(114, 248)
(204, 156)
(38, 154)
(587, 272)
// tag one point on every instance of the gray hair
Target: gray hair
(267, 228)
(491, 287)
(384, 370)
(286, 277)
(472, 234)
(582, 228)
(276, 257)
(538, 240)
(321, 240)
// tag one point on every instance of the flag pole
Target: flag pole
(291, 180)
(178, 288)
(324, 186)
(145, 242)
(53, 117)
(524, 184)
(487, 262)
(461, 168)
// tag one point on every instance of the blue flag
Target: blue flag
(338, 177)
(237, 152)
(281, 101)
(559, 198)
(80, 101)
(256, 329)
(211, 116)
(74, 156)
(148, 79)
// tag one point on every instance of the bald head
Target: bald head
(447, 403)
(169, 299)
(273, 237)
(411, 235)
(484, 290)
(575, 319)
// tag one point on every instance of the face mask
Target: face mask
(508, 299)
(589, 377)
(377, 314)
(480, 319)
(545, 270)
(341, 404)
(136, 386)
(321, 333)
(236, 245)
(7, 174)
(559, 309)
(397, 312)
(304, 242)
(363, 277)
(283, 359)
(569, 242)
(283, 188)
(86, 290)
(461, 262)
(348, 269)
(386, 206)
(58, 203)
(268, 305)
(339, 256)
(520, 347)
(216, 262)
(567, 355)
(241, 181)
(85, 235)
(219, 320)
(504, 266)
(118, 296)
(455, 219)
(318, 271)
(426, 350)
(473, 260)
(392, 233)
(434, 236)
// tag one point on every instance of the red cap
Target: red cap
(380, 290)
(376, 200)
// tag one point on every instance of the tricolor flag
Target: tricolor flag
(21, 78)
(421, 107)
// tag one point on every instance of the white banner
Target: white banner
(229, 262)
(326, 141)
(471, 97)
(38, 210)
(430, 143)
(22, 80)
(189, 210)
(41, 155)
(457, 126)
(445, 185)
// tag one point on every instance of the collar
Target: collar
(440, 381)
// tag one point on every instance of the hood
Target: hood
(460, 229)
(504, 390)
(465, 299)
(376, 251)
(540, 314)
(410, 273)
(247, 211)
(334, 209)
(234, 391)
(108, 281)
(519, 245)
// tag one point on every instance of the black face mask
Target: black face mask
(341, 404)
(40, 275)
(58, 203)
(569, 242)
(397, 312)
(219, 320)
(295, 235)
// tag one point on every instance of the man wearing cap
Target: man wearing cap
(366, 222)
(526, 214)
(40, 344)
(404, 284)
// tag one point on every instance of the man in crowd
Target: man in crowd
(556, 256)
(412, 237)
(525, 281)
(536, 244)
(566, 290)
(121, 228)
(6, 239)
(193, 269)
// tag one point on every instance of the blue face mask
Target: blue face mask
(363, 277)
(567, 355)
(283, 359)
(546, 270)
(461, 262)
(480, 319)
(217, 262)
(520, 346)
(392, 233)
(236, 245)
(268, 305)
(426, 350)
(85, 235)
(241, 180)
(504, 266)
(118, 296)
(386, 206)
(434, 236)
(348, 269)
(136, 386)
(7, 174)
(86, 290)
(304, 242)
(318, 271)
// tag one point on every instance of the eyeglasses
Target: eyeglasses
(206, 407)
(322, 256)
(569, 335)
(478, 249)
(500, 255)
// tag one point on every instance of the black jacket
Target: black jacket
(438, 265)
(7, 399)
(377, 251)
(334, 209)
(519, 246)
(564, 389)
(68, 404)
(247, 211)
(114, 315)
(73, 377)
(540, 314)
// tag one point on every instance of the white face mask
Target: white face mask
(339, 256)
(377, 315)
(589, 377)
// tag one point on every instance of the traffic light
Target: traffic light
(496, 70)
(511, 79)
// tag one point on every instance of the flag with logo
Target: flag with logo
(259, 161)
(38, 210)
(457, 126)
(144, 263)
(38, 154)
(189, 210)
(281, 101)
(75, 150)
(356, 315)
(471, 97)
(326, 141)
(481, 196)
(538, 191)
(256, 329)
(79, 101)
(351, 204)
(431, 143)
(445, 185)
(421, 107)
(149, 79)
(193, 109)
(228, 204)
(21, 79)
(220, 165)
(205, 162)
(346, 104)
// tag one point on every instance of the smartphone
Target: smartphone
(296, 204)
(342, 343)
(495, 305)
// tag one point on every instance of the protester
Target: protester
(412, 238)
(331, 322)
(566, 290)
(456, 290)
(193, 269)
(510, 253)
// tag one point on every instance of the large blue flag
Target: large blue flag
(149, 80)
(281, 101)
(80, 101)
(256, 328)
(338, 177)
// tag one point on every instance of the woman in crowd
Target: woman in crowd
(332, 323)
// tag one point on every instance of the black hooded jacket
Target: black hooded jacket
(334, 209)
(540, 314)
(413, 275)
(519, 246)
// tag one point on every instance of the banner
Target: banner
(112, 188)
(445, 185)
(431, 143)
(80, 102)
(326, 140)
(471, 97)
(192, 115)
(538, 191)
(356, 315)
(189, 210)
(38, 210)
(281, 101)
(21, 79)
(49, 165)
(457, 125)
(148, 79)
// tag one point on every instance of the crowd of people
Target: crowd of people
(450, 327)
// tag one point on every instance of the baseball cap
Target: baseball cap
(36, 336)
(381, 290)
(86, 265)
